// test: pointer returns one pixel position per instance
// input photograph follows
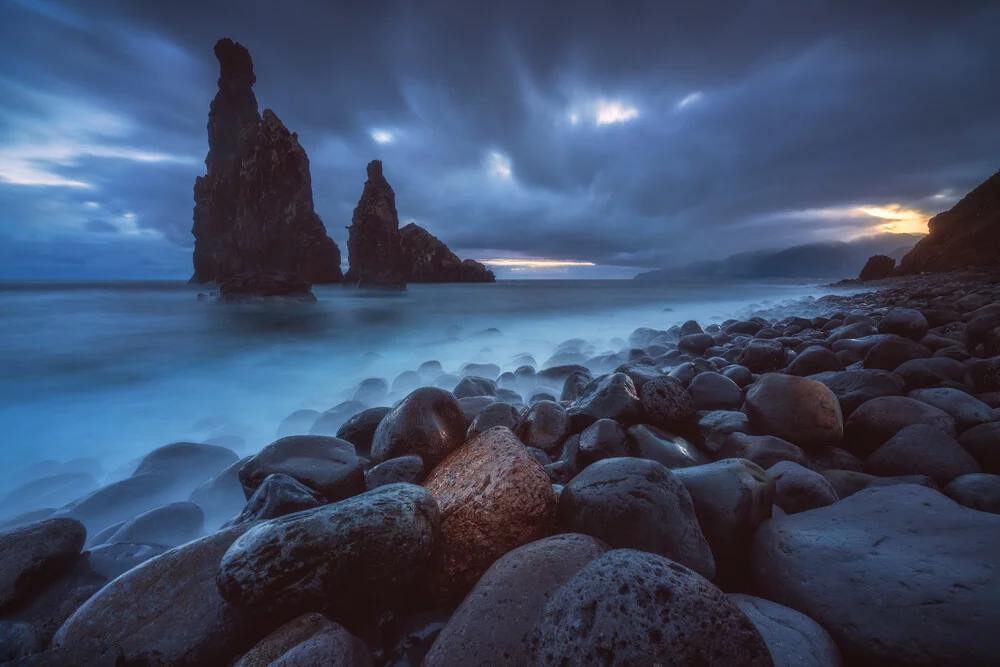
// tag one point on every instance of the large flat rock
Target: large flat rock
(899, 575)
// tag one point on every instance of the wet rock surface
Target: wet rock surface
(493, 496)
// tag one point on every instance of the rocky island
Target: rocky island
(255, 228)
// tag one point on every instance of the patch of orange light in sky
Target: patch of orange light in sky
(535, 263)
(899, 220)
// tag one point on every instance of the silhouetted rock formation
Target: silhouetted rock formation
(966, 235)
(253, 214)
(877, 266)
(374, 247)
(429, 260)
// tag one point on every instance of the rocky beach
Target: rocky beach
(399, 461)
(816, 484)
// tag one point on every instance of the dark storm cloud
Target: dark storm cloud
(796, 115)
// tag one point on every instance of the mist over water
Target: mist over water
(113, 370)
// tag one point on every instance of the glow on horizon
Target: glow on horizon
(535, 263)
(899, 220)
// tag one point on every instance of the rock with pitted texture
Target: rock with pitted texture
(877, 267)
(253, 218)
(494, 496)
(906, 548)
(428, 260)
(363, 550)
(802, 411)
(968, 234)
(374, 245)
(633, 608)
(493, 623)
(428, 422)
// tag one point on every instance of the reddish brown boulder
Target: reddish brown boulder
(494, 496)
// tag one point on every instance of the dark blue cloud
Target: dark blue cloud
(754, 125)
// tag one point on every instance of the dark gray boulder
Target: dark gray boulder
(343, 555)
(794, 639)
(877, 420)
(922, 450)
(664, 447)
(359, 430)
(329, 466)
(666, 402)
(278, 495)
(407, 469)
(979, 491)
(492, 626)
(32, 555)
(636, 504)
(905, 548)
(613, 397)
(428, 422)
(798, 489)
(731, 498)
(169, 525)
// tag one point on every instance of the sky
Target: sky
(566, 138)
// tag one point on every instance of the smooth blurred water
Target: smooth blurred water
(112, 370)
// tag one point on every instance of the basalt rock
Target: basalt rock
(429, 260)
(255, 229)
(374, 244)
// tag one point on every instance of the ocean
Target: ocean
(112, 370)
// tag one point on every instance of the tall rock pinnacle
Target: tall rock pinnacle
(253, 214)
(374, 246)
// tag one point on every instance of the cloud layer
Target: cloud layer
(571, 131)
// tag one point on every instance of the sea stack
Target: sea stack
(254, 222)
(374, 245)
(429, 260)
